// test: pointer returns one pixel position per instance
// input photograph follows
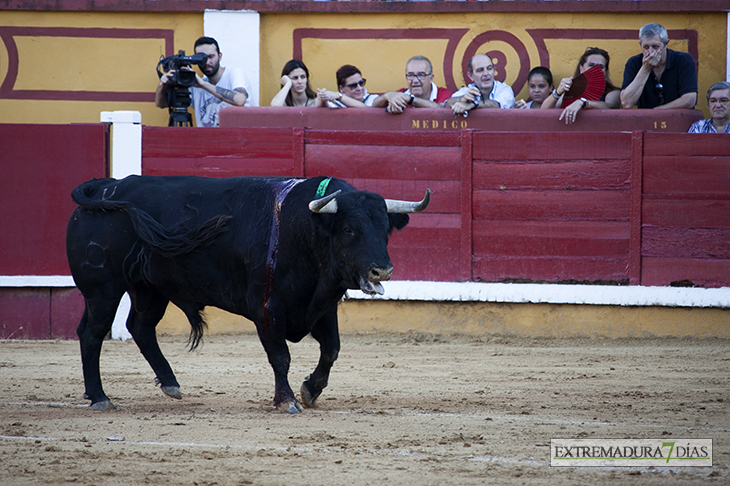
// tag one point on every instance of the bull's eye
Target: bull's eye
(348, 231)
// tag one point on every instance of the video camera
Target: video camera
(181, 77)
(178, 95)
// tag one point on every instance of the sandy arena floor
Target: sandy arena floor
(400, 410)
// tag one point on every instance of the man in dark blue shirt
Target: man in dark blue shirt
(659, 77)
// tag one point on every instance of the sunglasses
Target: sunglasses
(660, 93)
(355, 85)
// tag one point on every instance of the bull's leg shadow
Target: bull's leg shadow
(148, 308)
(326, 333)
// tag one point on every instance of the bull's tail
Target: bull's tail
(168, 242)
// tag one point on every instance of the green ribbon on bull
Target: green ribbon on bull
(323, 187)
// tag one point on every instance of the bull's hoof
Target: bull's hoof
(103, 405)
(290, 406)
(309, 397)
(171, 391)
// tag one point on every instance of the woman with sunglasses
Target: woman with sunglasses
(295, 89)
(611, 98)
(352, 92)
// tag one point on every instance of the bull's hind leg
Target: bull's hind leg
(148, 308)
(95, 324)
(326, 333)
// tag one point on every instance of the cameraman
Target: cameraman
(221, 86)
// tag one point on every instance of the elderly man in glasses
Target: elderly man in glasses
(484, 92)
(659, 77)
(718, 99)
(351, 91)
(422, 92)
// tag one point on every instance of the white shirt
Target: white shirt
(368, 100)
(501, 93)
(207, 106)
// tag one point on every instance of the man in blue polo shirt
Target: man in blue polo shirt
(659, 77)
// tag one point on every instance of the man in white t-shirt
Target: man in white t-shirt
(221, 86)
(485, 92)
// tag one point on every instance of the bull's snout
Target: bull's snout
(378, 274)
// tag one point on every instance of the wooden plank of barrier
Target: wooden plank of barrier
(218, 166)
(383, 138)
(551, 205)
(689, 144)
(551, 146)
(701, 272)
(383, 162)
(216, 142)
(703, 176)
(545, 175)
(551, 238)
(430, 264)
(687, 213)
(550, 269)
(710, 243)
(428, 230)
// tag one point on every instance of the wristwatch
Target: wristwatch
(555, 94)
(410, 102)
(584, 101)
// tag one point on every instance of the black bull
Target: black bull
(280, 252)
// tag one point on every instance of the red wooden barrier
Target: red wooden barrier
(686, 210)
(640, 208)
(443, 120)
(41, 164)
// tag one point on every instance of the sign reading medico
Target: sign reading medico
(631, 452)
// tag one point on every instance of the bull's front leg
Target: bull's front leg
(277, 351)
(326, 332)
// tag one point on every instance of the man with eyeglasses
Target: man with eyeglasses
(659, 77)
(484, 92)
(422, 92)
(718, 99)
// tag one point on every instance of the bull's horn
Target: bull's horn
(325, 204)
(396, 206)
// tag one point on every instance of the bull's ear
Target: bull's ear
(325, 222)
(397, 221)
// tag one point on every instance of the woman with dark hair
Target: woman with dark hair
(351, 90)
(295, 88)
(539, 86)
(593, 56)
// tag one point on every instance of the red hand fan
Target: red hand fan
(589, 85)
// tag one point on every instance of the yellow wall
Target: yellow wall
(128, 65)
(382, 62)
(481, 318)
(89, 63)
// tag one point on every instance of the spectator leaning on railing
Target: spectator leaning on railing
(718, 100)
(422, 92)
(659, 77)
(592, 57)
(351, 91)
(484, 91)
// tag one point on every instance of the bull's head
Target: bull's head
(364, 245)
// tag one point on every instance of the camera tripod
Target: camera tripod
(178, 101)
